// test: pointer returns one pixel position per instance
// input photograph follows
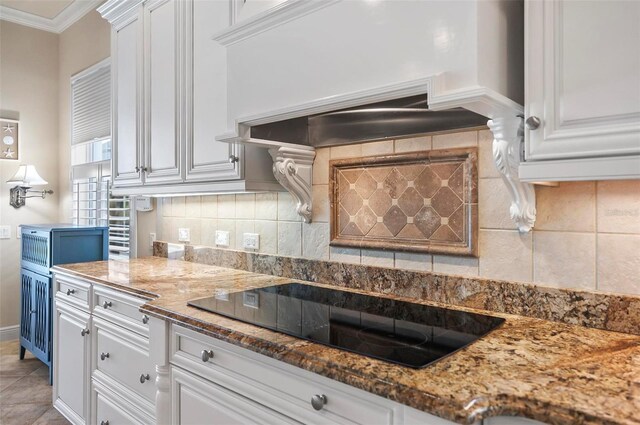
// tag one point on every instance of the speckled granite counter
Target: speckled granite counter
(552, 372)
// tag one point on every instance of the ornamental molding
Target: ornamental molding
(508, 136)
(293, 168)
(63, 20)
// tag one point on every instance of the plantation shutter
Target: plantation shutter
(91, 106)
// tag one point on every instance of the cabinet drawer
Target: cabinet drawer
(73, 291)
(110, 404)
(277, 385)
(124, 356)
(120, 308)
(108, 412)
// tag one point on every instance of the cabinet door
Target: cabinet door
(71, 357)
(163, 136)
(206, 95)
(35, 313)
(126, 57)
(26, 303)
(583, 79)
(197, 401)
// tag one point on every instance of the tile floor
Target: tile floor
(25, 394)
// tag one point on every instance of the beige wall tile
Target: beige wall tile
(246, 206)
(464, 266)
(321, 166)
(165, 230)
(228, 225)
(193, 207)
(268, 231)
(376, 257)
(165, 205)
(413, 144)
(565, 259)
(344, 255)
(320, 203)
(347, 151)
(287, 207)
(267, 206)
(619, 263)
(178, 206)
(455, 140)
(494, 202)
(209, 206)
(486, 164)
(290, 238)
(619, 206)
(227, 206)
(243, 226)
(570, 206)
(315, 241)
(383, 147)
(413, 261)
(208, 236)
(506, 254)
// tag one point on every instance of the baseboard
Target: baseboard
(9, 333)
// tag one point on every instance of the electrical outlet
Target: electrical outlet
(5, 232)
(222, 238)
(251, 240)
(152, 239)
(184, 234)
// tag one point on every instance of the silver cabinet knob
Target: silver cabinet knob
(137, 169)
(104, 422)
(104, 356)
(85, 331)
(145, 319)
(318, 401)
(144, 378)
(144, 169)
(533, 122)
(106, 304)
(233, 159)
(206, 355)
(71, 291)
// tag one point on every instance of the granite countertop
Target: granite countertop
(548, 371)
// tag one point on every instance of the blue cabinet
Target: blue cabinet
(44, 246)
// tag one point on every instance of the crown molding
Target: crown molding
(58, 24)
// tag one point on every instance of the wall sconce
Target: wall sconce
(25, 178)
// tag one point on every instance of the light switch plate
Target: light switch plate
(222, 238)
(5, 232)
(18, 232)
(184, 234)
(251, 240)
(152, 239)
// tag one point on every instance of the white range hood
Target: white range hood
(305, 57)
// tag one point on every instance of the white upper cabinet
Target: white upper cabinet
(161, 64)
(582, 98)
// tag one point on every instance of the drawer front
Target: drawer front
(73, 291)
(282, 387)
(120, 308)
(124, 356)
(109, 413)
(36, 250)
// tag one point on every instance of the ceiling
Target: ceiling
(44, 8)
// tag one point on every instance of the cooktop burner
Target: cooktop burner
(409, 334)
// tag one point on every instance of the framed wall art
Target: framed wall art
(10, 135)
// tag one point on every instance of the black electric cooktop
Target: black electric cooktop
(405, 333)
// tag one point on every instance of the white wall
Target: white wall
(28, 92)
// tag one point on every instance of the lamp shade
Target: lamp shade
(26, 176)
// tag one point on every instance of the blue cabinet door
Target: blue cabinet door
(36, 314)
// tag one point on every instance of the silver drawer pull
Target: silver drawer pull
(106, 304)
(104, 356)
(318, 401)
(104, 422)
(145, 319)
(85, 331)
(71, 291)
(144, 378)
(206, 355)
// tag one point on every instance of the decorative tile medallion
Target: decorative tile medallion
(420, 202)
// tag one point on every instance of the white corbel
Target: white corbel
(508, 134)
(293, 168)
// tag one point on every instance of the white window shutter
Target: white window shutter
(91, 105)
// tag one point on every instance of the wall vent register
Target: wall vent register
(409, 334)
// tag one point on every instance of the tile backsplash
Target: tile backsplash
(587, 234)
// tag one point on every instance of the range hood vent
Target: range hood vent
(376, 121)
